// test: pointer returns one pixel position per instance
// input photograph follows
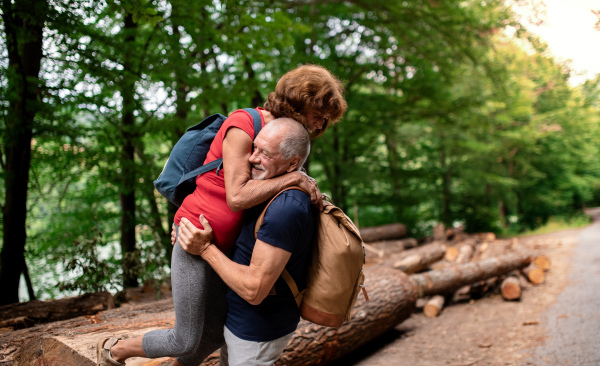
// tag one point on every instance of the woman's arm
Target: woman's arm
(241, 190)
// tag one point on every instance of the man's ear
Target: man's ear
(293, 165)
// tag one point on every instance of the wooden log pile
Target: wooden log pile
(73, 342)
(453, 265)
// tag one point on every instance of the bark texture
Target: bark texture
(425, 250)
(73, 342)
(385, 232)
(23, 24)
(421, 258)
(23, 315)
(455, 276)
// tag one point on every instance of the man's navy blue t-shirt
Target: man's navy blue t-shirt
(289, 225)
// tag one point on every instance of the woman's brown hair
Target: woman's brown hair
(308, 89)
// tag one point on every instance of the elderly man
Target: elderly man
(259, 324)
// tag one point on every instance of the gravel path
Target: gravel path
(555, 323)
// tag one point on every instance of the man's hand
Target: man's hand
(193, 240)
(309, 184)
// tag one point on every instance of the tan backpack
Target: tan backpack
(335, 274)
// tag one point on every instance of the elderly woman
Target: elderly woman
(309, 94)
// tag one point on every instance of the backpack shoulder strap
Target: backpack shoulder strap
(298, 295)
(217, 164)
(261, 217)
(256, 119)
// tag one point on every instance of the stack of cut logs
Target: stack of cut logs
(455, 266)
(400, 275)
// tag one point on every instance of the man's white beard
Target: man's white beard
(259, 174)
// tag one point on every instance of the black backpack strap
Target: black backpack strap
(201, 170)
(256, 119)
(218, 164)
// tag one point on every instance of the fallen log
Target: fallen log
(27, 314)
(511, 288)
(421, 258)
(69, 343)
(423, 250)
(453, 277)
(461, 252)
(451, 254)
(465, 252)
(72, 342)
(384, 232)
(392, 300)
(534, 274)
(434, 306)
(542, 262)
(388, 247)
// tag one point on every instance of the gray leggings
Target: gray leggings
(200, 310)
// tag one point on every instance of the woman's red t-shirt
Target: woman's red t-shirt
(209, 197)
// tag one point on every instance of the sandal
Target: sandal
(103, 352)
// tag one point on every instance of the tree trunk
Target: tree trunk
(451, 278)
(73, 342)
(389, 247)
(128, 173)
(465, 252)
(27, 314)
(23, 26)
(384, 232)
(421, 258)
(420, 251)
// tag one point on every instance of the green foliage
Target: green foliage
(449, 119)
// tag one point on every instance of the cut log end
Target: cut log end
(451, 254)
(434, 306)
(510, 288)
(534, 274)
(542, 262)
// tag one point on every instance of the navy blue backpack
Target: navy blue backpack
(178, 178)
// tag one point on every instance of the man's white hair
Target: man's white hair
(295, 142)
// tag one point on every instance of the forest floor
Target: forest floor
(489, 331)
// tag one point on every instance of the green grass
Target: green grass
(559, 223)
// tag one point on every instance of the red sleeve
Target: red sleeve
(239, 119)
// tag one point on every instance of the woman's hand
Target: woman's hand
(193, 240)
(309, 184)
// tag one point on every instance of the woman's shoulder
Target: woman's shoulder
(240, 119)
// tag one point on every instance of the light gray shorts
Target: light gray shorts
(238, 352)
